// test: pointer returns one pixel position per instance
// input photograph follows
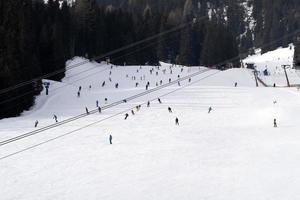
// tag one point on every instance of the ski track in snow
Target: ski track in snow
(232, 153)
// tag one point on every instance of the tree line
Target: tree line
(37, 38)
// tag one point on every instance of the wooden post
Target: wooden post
(286, 76)
(255, 76)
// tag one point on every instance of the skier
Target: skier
(78, 94)
(235, 84)
(274, 85)
(136, 84)
(105, 100)
(79, 88)
(275, 123)
(137, 108)
(110, 139)
(99, 109)
(103, 84)
(209, 109)
(87, 110)
(177, 121)
(90, 87)
(159, 100)
(125, 101)
(97, 103)
(161, 82)
(190, 80)
(170, 80)
(126, 116)
(117, 85)
(170, 109)
(132, 112)
(178, 83)
(55, 118)
(36, 123)
(148, 104)
(110, 79)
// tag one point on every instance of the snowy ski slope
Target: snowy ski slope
(273, 61)
(232, 153)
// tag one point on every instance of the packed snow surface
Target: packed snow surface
(233, 152)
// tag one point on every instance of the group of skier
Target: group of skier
(137, 108)
(148, 105)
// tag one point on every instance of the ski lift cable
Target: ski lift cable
(97, 72)
(96, 110)
(227, 61)
(114, 104)
(177, 28)
(102, 120)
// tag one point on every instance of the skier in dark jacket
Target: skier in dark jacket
(110, 139)
(87, 110)
(209, 109)
(148, 104)
(170, 109)
(78, 94)
(275, 123)
(36, 123)
(97, 103)
(99, 109)
(159, 101)
(177, 121)
(132, 112)
(126, 116)
(55, 118)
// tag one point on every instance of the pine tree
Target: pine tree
(186, 55)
